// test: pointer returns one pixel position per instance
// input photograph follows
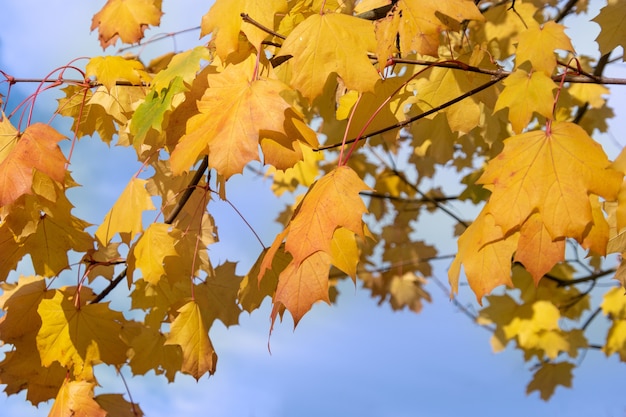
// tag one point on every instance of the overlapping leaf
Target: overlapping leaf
(534, 173)
(327, 44)
(126, 20)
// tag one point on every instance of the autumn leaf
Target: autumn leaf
(333, 202)
(125, 215)
(611, 19)
(536, 249)
(148, 351)
(151, 252)
(36, 149)
(549, 376)
(190, 332)
(534, 172)
(485, 253)
(300, 285)
(79, 338)
(525, 94)
(421, 22)
(75, 398)
(126, 20)
(233, 112)
(327, 44)
(116, 405)
(550, 36)
(217, 296)
(225, 22)
(108, 70)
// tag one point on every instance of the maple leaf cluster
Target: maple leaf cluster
(351, 109)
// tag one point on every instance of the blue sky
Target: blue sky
(352, 358)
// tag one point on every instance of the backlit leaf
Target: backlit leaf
(549, 376)
(327, 44)
(126, 20)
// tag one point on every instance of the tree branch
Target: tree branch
(419, 116)
(176, 211)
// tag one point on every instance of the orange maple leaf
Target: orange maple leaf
(535, 172)
(37, 148)
(536, 250)
(332, 202)
(125, 19)
(302, 285)
(233, 113)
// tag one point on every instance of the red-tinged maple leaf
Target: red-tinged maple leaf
(485, 254)
(75, 398)
(534, 172)
(331, 43)
(225, 22)
(536, 250)
(233, 113)
(302, 285)
(332, 202)
(37, 148)
(125, 19)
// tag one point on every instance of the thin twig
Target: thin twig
(246, 18)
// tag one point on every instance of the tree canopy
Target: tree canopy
(359, 114)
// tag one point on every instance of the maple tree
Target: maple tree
(350, 108)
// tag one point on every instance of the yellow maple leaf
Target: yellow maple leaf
(57, 232)
(525, 94)
(225, 22)
(125, 215)
(108, 70)
(611, 19)
(485, 254)
(536, 249)
(550, 36)
(233, 112)
(148, 352)
(422, 21)
(79, 337)
(548, 376)
(75, 398)
(217, 296)
(536, 327)
(126, 20)
(116, 405)
(332, 202)
(20, 302)
(151, 251)
(327, 44)
(191, 333)
(552, 173)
